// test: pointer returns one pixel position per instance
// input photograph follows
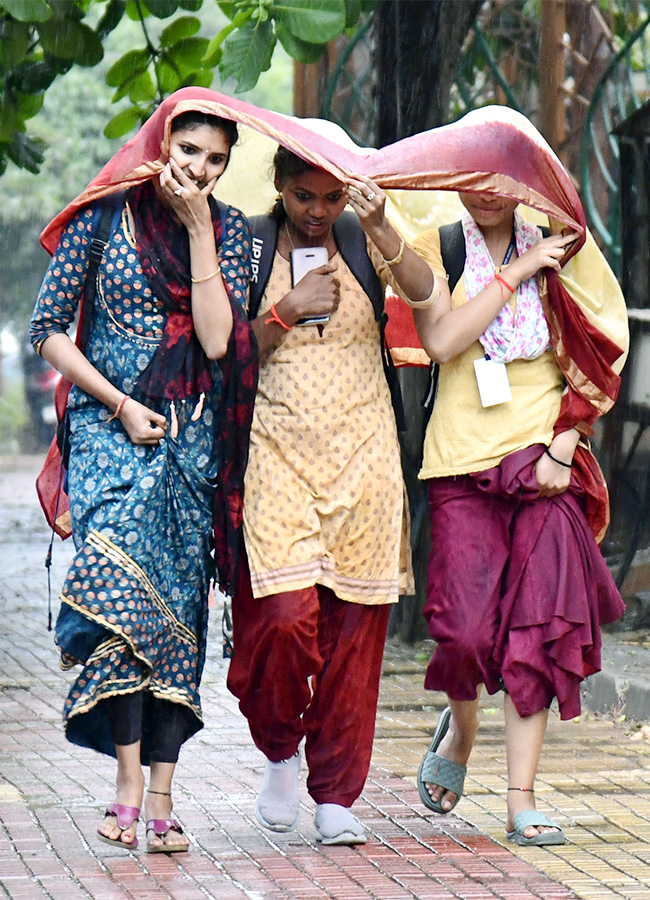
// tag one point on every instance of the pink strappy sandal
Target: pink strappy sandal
(126, 816)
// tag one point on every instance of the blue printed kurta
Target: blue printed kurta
(134, 606)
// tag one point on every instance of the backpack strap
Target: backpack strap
(351, 240)
(453, 252)
(108, 213)
(264, 241)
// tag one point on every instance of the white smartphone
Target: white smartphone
(303, 260)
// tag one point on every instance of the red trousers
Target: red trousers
(307, 664)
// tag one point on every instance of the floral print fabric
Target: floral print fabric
(522, 334)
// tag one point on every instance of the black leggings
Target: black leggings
(165, 723)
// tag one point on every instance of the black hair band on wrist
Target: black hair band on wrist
(558, 461)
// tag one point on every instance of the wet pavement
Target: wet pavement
(594, 779)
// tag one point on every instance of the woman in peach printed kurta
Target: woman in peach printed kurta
(324, 443)
(325, 517)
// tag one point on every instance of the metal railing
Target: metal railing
(622, 89)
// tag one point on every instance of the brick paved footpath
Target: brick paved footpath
(595, 779)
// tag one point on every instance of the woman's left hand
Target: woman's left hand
(368, 201)
(553, 477)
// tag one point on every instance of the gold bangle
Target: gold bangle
(429, 301)
(205, 278)
(400, 255)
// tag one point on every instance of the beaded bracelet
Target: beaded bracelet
(558, 461)
(274, 317)
(400, 255)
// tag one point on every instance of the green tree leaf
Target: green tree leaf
(247, 53)
(27, 10)
(313, 21)
(14, 43)
(33, 77)
(133, 63)
(181, 28)
(200, 77)
(352, 12)
(142, 89)
(122, 123)
(300, 50)
(169, 76)
(112, 17)
(29, 105)
(10, 121)
(214, 52)
(187, 54)
(191, 5)
(67, 39)
(162, 9)
(27, 152)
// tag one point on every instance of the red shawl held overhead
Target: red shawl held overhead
(492, 149)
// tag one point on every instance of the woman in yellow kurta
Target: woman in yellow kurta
(325, 517)
(517, 588)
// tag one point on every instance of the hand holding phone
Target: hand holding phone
(303, 260)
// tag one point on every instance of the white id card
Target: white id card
(492, 381)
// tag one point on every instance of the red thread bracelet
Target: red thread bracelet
(276, 318)
(120, 406)
(503, 282)
(118, 409)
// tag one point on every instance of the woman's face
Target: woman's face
(201, 152)
(313, 201)
(487, 210)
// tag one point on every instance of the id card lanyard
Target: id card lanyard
(492, 376)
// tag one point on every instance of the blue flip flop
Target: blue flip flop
(436, 769)
(535, 818)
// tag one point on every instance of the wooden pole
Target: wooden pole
(552, 73)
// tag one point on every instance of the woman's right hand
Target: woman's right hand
(546, 253)
(143, 425)
(317, 294)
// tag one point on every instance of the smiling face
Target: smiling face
(313, 201)
(202, 152)
(487, 210)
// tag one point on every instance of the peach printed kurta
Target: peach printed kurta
(325, 498)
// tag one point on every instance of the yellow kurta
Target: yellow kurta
(325, 499)
(463, 437)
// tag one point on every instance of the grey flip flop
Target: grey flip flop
(544, 838)
(436, 769)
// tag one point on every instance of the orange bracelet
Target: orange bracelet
(502, 281)
(274, 317)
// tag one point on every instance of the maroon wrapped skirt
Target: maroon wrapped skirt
(517, 588)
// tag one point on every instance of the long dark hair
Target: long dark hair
(285, 165)
(193, 118)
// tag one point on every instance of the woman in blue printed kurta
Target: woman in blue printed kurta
(147, 410)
